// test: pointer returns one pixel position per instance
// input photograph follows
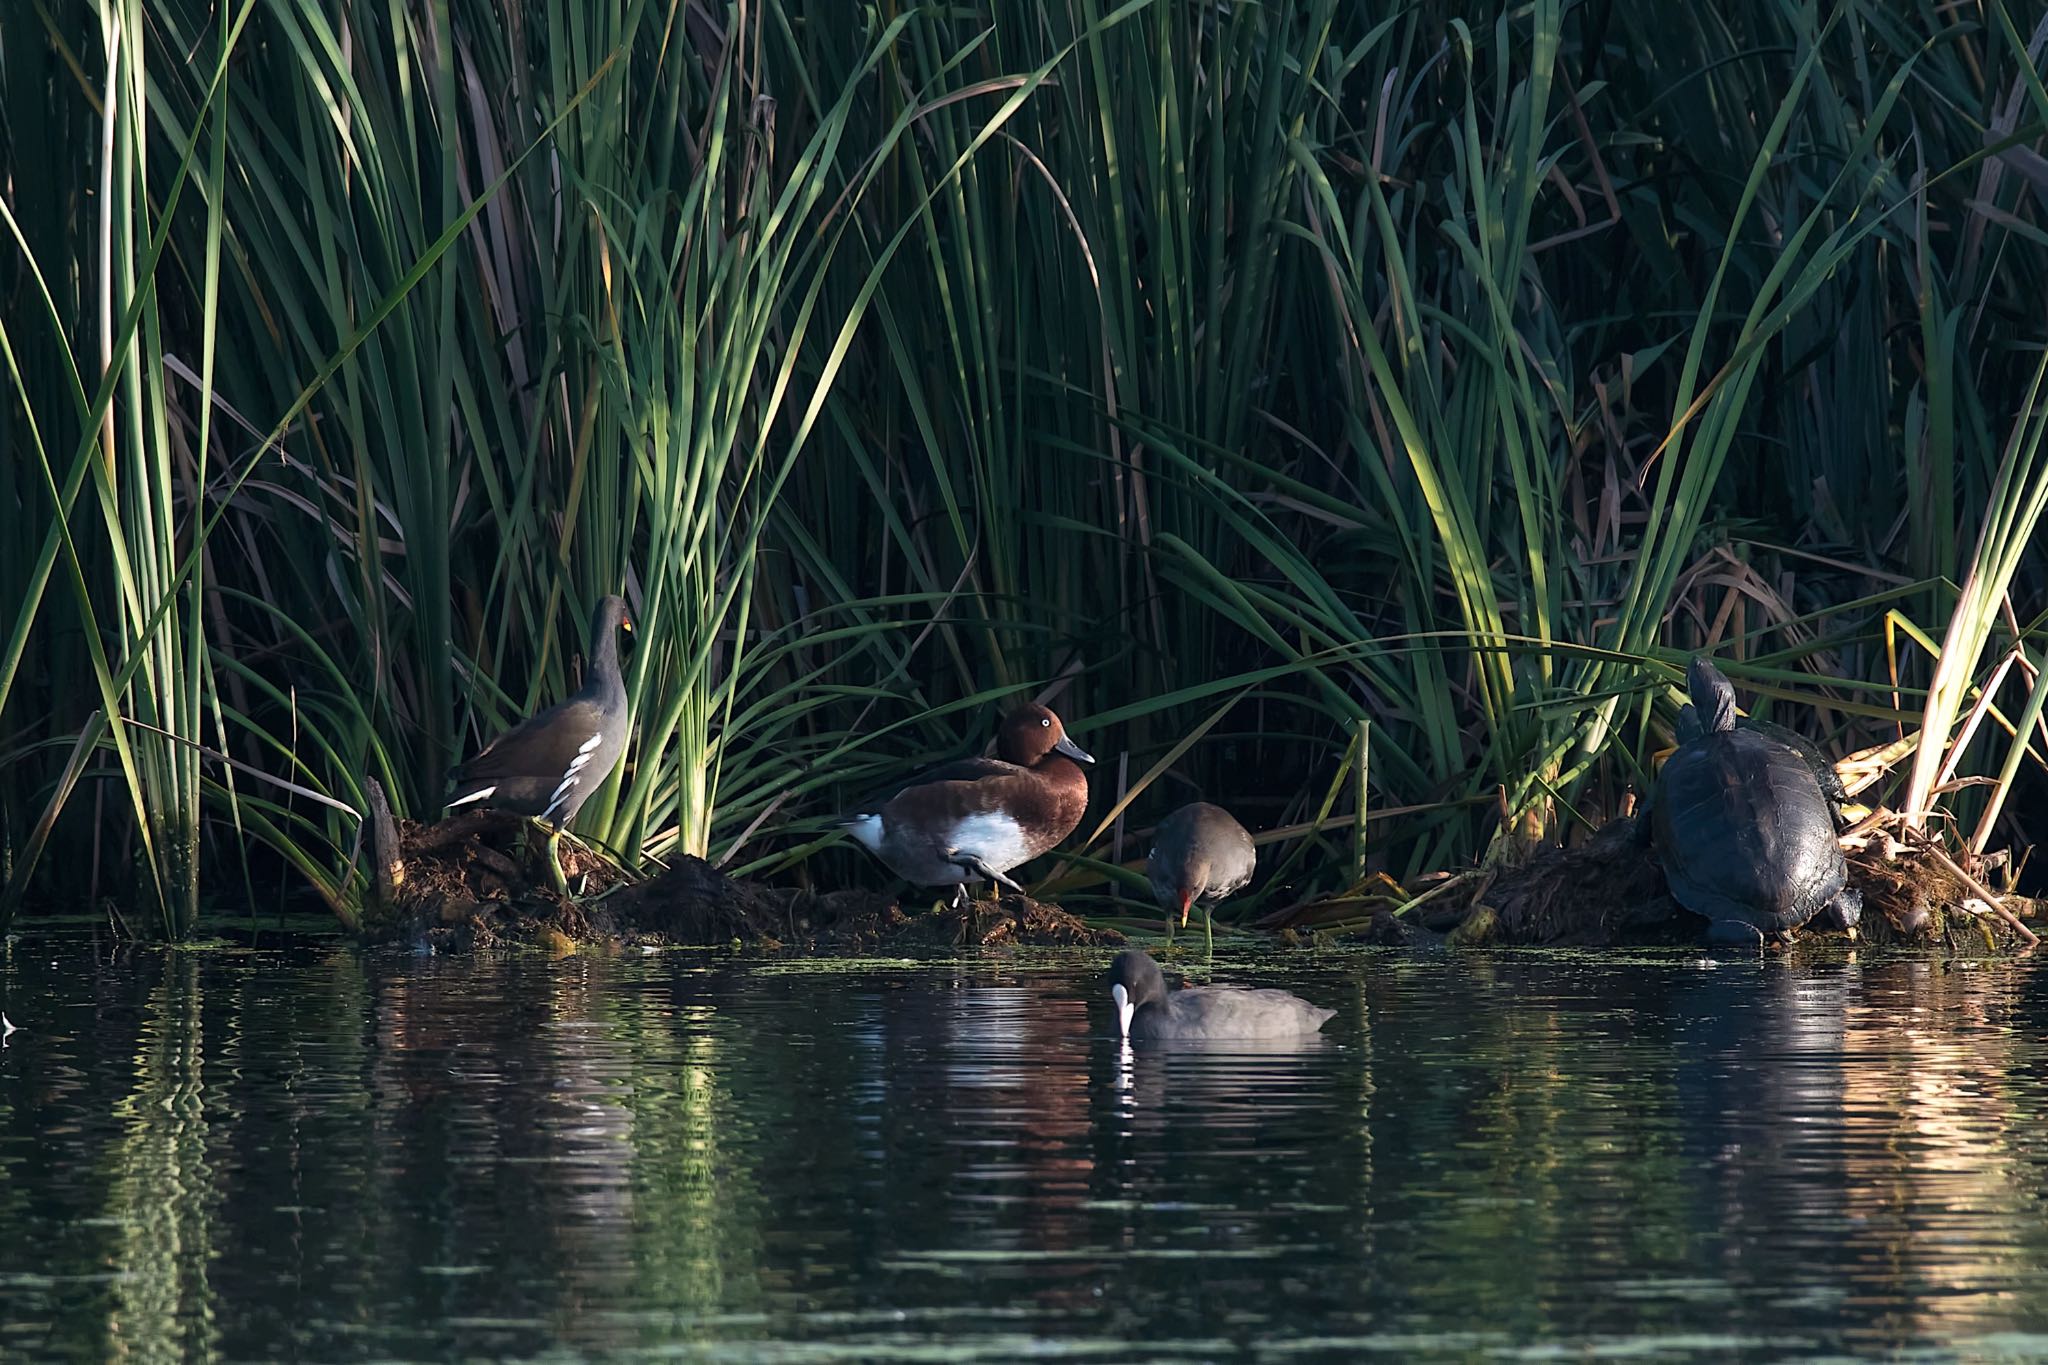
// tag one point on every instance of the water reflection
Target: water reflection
(1223, 1086)
(342, 1155)
(161, 1189)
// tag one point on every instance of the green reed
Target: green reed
(1387, 401)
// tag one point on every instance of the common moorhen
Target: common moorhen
(550, 764)
(1200, 855)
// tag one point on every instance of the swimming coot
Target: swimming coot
(1146, 1009)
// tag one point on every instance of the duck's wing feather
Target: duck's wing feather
(1231, 1012)
(961, 770)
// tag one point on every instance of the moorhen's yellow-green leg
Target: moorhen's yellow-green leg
(555, 875)
(1209, 930)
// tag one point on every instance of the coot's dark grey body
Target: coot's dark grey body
(1744, 829)
(1147, 1010)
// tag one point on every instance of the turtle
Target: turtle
(1744, 822)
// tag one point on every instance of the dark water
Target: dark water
(321, 1154)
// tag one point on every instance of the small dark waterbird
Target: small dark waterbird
(550, 764)
(1745, 825)
(976, 819)
(1146, 1009)
(1200, 856)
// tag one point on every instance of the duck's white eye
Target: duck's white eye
(1046, 723)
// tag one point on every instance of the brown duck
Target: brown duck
(976, 819)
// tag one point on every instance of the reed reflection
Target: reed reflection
(1864, 1124)
(340, 1155)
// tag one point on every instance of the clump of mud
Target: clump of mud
(480, 879)
(1913, 899)
(1601, 892)
(1611, 891)
(693, 903)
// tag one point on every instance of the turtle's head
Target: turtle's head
(1713, 699)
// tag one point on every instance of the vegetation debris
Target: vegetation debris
(479, 879)
(1610, 891)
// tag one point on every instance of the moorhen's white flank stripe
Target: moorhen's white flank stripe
(573, 776)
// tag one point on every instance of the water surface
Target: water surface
(324, 1154)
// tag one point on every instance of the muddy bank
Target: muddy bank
(480, 879)
(1610, 892)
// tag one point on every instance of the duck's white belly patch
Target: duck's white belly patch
(994, 838)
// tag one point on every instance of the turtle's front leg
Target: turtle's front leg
(1844, 912)
(1735, 933)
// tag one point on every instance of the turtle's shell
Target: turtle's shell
(1688, 729)
(1745, 832)
(1823, 767)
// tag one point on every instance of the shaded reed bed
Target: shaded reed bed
(1355, 420)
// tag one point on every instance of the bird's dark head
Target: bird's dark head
(612, 614)
(1031, 732)
(1134, 981)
